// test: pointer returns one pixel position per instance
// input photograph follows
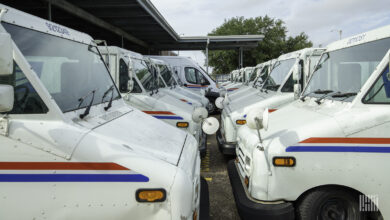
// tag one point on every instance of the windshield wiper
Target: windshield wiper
(326, 95)
(81, 100)
(318, 91)
(112, 96)
(344, 95)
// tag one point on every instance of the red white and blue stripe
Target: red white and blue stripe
(231, 89)
(184, 100)
(164, 115)
(340, 144)
(194, 86)
(67, 172)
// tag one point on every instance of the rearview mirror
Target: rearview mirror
(6, 58)
(6, 98)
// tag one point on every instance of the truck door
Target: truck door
(195, 79)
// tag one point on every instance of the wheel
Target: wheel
(330, 204)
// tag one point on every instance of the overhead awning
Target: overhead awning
(133, 24)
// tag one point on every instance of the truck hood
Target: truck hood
(294, 123)
(240, 103)
(143, 134)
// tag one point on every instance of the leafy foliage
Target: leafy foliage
(274, 44)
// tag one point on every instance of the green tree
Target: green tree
(274, 44)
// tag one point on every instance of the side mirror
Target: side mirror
(6, 98)
(296, 73)
(297, 91)
(6, 57)
(257, 118)
(130, 85)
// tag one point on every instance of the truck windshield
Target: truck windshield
(346, 70)
(69, 70)
(143, 74)
(278, 74)
(166, 75)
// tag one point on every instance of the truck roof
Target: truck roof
(376, 34)
(19, 18)
(296, 54)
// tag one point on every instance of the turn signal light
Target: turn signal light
(246, 181)
(181, 124)
(284, 161)
(240, 122)
(150, 195)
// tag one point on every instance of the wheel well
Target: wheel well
(374, 215)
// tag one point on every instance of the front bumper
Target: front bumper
(224, 147)
(204, 207)
(203, 145)
(249, 209)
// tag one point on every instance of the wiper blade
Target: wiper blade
(112, 97)
(326, 95)
(318, 91)
(346, 95)
(81, 100)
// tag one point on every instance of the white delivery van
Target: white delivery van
(326, 155)
(277, 91)
(137, 82)
(70, 147)
(193, 76)
(170, 84)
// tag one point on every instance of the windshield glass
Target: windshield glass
(143, 74)
(278, 74)
(69, 70)
(166, 75)
(346, 70)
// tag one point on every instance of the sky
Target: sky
(319, 19)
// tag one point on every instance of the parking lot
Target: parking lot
(213, 168)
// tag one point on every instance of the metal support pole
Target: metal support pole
(123, 44)
(49, 10)
(207, 55)
(241, 57)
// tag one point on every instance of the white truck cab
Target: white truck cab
(193, 76)
(327, 153)
(138, 84)
(246, 74)
(258, 77)
(169, 85)
(70, 147)
(277, 91)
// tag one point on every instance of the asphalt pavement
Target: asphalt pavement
(214, 170)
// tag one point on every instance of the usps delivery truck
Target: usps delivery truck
(193, 76)
(326, 155)
(169, 85)
(277, 91)
(138, 84)
(70, 147)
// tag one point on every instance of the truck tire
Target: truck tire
(329, 204)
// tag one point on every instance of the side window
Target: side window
(26, 100)
(123, 76)
(289, 85)
(136, 87)
(380, 92)
(201, 79)
(190, 74)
